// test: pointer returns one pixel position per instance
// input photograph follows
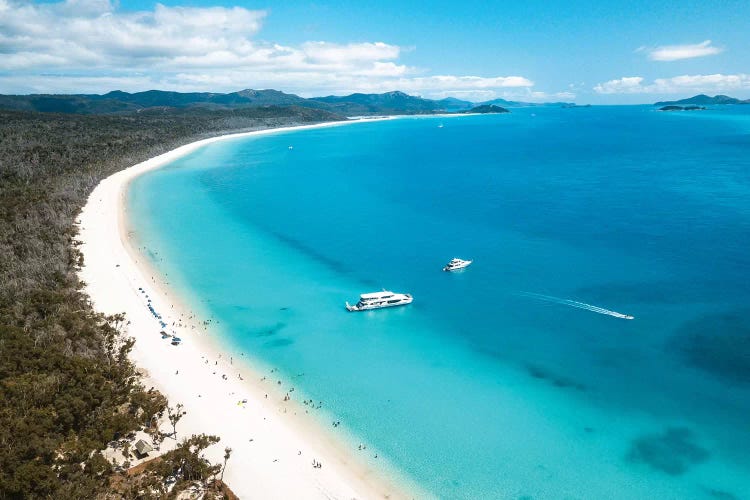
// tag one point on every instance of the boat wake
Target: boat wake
(576, 304)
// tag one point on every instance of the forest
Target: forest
(67, 385)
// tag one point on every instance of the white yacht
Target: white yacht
(455, 264)
(377, 300)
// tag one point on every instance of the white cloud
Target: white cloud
(92, 46)
(445, 82)
(333, 53)
(678, 84)
(466, 95)
(624, 85)
(537, 96)
(678, 52)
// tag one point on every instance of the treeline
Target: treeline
(67, 387)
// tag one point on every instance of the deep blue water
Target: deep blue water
(479, 390)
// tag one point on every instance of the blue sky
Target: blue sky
(584, 51)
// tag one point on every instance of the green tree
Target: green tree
(175, 415)
(227, 454)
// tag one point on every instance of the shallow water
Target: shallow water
(479, 389)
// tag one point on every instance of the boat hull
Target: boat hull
(458, 267)
(369, 307)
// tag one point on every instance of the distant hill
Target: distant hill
(388, 103)
(80, 104)
(486, 109)
(452, 104)
(521, 104)
(118, 101)
(502, 102)
(704, 100)
(122, 102)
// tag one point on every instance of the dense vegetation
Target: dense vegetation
(66, 384)
(487, 109)
(681, 108)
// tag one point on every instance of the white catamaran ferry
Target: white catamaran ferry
(455, 264)
(379, 300)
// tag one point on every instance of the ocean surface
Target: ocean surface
(492, 384)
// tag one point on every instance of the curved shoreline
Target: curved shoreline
(273, 446)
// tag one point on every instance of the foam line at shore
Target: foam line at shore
(576, 304)
(274, 442)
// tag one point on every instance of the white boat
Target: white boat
(378, 300)
(455, 264)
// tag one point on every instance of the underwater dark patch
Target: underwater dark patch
(313, 254)
(370, 283)
(718, 344)
(720, 494)
(556, 380)
(672, 451)
(269, 331)
(278, 343)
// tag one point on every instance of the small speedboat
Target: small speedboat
(456, 264)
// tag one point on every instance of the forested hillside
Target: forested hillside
(66, 384)
(390, 103)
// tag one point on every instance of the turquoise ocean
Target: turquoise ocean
(489, 385)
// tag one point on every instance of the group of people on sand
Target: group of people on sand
(311, 403)
(205, 323)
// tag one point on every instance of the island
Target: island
(703, 100)
(486, 109)
(681, 108)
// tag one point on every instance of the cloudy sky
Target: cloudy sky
(617, 51)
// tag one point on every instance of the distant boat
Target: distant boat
(440, 126)
(378, 300)
(291, 147)
(456, 264)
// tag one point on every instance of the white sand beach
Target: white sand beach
(274, 442)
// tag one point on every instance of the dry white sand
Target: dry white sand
(274, 442)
